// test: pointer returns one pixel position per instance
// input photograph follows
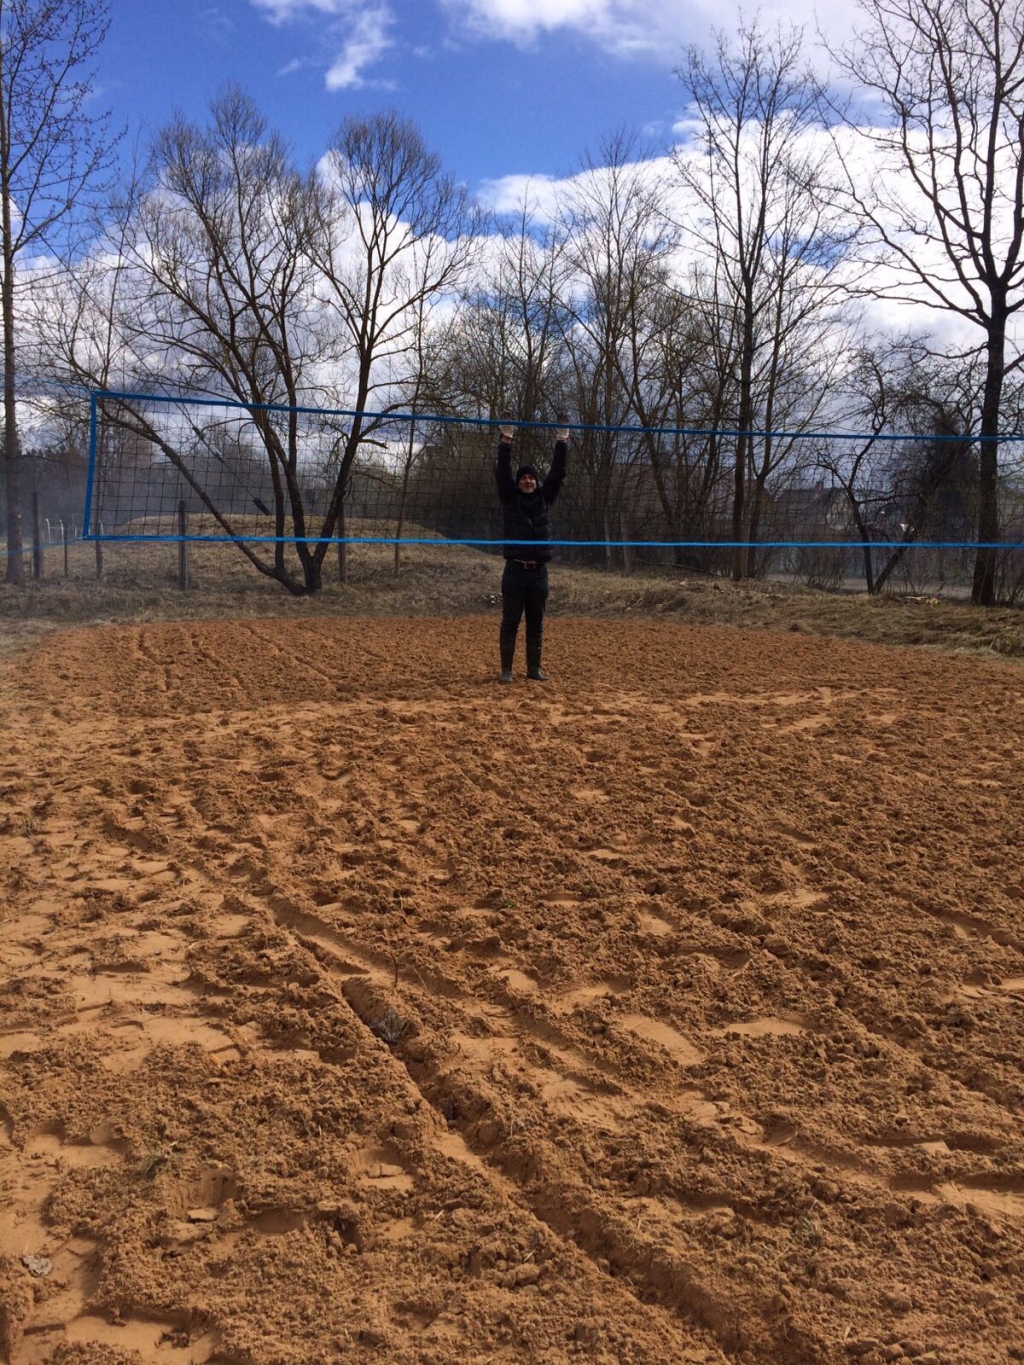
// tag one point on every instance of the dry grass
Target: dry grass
(140, 584)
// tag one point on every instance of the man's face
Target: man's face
(527, 483)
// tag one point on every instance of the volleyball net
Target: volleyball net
(269, 473)
(206, 469)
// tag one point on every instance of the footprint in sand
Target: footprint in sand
(144, 1338)
(581, 1102)
(29, 1177)
(798, 836)
(608, 857)
(165, 1030)
(1003, 1201)
(657, 1031)
(381, 1168)
(200, 1199)
(581, 996)
(453, 1145)
(164, 984)
(518, 981)
(229, 926)
(54, 1149)
(655, 925)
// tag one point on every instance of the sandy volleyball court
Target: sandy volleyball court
(357, 1009)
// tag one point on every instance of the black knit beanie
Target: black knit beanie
(525, 469)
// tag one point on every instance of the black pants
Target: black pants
(522, 590)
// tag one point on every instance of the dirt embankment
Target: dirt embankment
(355, 1008)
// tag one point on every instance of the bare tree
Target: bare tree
(945, 201)
(51, 150)
(76, 329)
(618, 247)
(495, 356)
(498, 355)
(390, 233)
(690, 392)
(894, 488)
(280, 291)
(219, 298)
(772, 246)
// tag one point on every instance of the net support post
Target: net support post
(90, 478)
(183, 545)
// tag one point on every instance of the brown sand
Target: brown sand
(357, 1009)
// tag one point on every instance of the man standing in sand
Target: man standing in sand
(527, 532)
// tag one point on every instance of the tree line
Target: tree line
(719, 300)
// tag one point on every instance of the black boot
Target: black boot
(507, 650)
(533, 668)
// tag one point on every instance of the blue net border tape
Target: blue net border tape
(98, 395)
(47, 547)
(441, 542)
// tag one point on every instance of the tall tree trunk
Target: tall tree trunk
(12, 448)
(892, 563)
(869, 568)
(754, 525)
(984, 590)
(746, 417)
(739, 484)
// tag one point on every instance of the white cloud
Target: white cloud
(539, 193)
(510, 18)
(620, 25)
(652, 29)
(361, 31)
(358, 32)
(546, 197)
(369, 40)
(282, 11)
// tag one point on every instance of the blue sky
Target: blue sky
(499, 87)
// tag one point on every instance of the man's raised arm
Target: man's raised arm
(503, 464)
(556, 476)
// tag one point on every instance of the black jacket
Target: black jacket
(525, 515)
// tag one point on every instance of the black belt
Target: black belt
(529, 563)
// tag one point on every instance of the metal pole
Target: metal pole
(342, 544)
(183, 545)
(65, 539)
(91, 477)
